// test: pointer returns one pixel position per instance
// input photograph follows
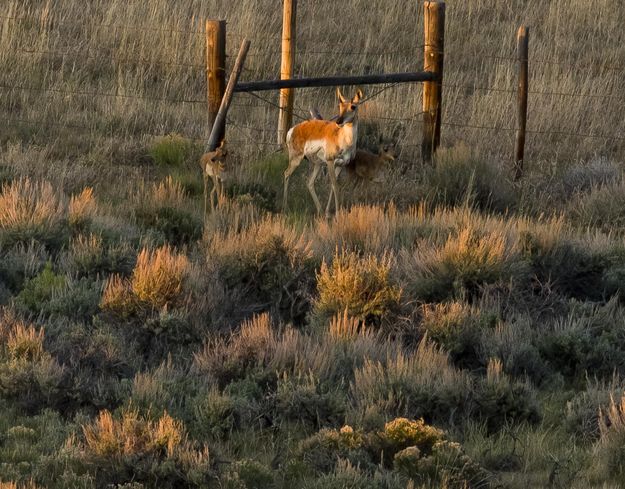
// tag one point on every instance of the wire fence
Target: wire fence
(261, 136)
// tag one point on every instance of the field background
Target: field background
(123, 70)
(142, 346)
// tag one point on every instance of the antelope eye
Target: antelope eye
(353, 107)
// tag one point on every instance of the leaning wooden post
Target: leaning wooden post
(434, 55)
(215, 68)
(220, 121)
(287, 95)
(523, 54)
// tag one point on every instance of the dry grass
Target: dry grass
(131, 61)
(30, 209)
(156, 283)
(132, 435)
(25, 342)
(82, 208)
(361, 286)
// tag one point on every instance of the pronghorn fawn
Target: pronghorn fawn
(365, 167)
(213, 167)
(320, 141)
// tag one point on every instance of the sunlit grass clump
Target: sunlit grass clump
(31, 210)
(361, 286)
(156, 282)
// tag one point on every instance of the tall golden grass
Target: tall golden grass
(140, 51)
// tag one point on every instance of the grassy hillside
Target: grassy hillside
(448, 329)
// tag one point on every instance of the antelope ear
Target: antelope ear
(359, 96)
(340, 95)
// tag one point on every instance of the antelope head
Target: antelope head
(348, 109)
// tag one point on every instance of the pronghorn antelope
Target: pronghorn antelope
(364, 166)
(332, 142)
(213, 167)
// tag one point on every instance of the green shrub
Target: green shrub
(418, 385)
(29, 376)
(582, 411)
(91, 256)
(29, 447)
(515, 342)
(172, 150)
(464, 264)
(461, 177)
(572, 268)
(247, 474)
(268, 266)
(51, 294)
(177, 226)
(361, 286)
(458, 328)
(258, 194)
(322, 451)
(98, 362)
(500, 401)
(248, 350)
(304, 400)
(41, 288)
(19, 263)
(136, 449)
(166, 388)
(215, 415)
(401, 434)
(447, 464)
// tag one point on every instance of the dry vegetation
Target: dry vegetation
(448, 329)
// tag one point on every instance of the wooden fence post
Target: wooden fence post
(215, 69)
(523, 54)
(220, 121)
(289, 27)
(434, 55)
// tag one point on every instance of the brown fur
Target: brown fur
(213, 167)
(367, 166)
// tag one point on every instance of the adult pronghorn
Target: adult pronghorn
(332, 142)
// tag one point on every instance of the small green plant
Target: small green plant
(171, 150)
(41, 289)
(176, 226)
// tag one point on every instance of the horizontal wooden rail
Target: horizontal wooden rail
(332, 81)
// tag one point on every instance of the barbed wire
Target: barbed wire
(121, 60)
(89, 93)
